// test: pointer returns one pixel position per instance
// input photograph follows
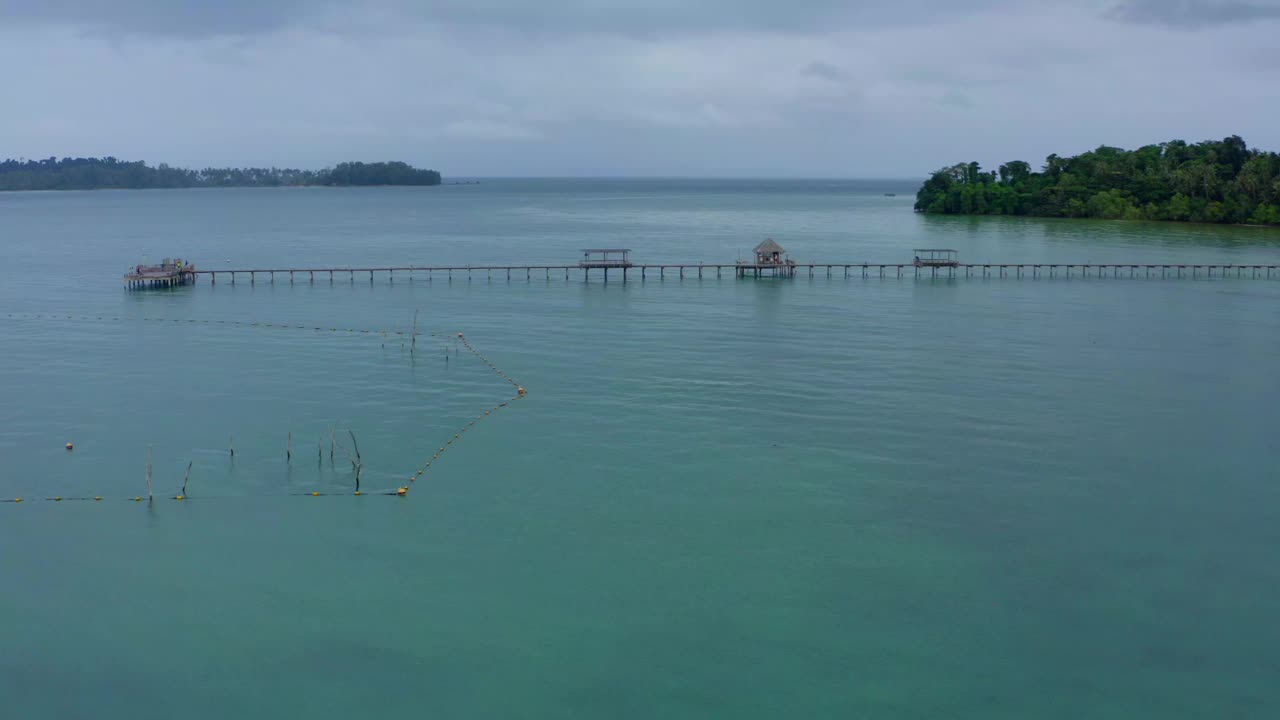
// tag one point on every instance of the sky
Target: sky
(700, 88)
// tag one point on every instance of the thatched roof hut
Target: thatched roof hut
(770, 252)
(769, 247)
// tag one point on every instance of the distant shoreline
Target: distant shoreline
(112, 174)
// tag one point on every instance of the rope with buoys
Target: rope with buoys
(398, 492)
(461, 433)
(401, 491)
(202, 321)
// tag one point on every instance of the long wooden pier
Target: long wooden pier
(702, 270)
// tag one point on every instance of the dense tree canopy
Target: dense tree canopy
(1213, 181)
(108, 172)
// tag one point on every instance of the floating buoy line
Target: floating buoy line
(461, 433)
(401, 491)
(203, 321)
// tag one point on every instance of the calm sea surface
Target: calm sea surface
(721, 498)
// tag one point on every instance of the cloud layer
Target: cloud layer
(592, 87)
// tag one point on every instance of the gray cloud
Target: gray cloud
(826, 71)
(957, 100)
(627, 17)
(1192, 14)
(626, 87)
(166, 17)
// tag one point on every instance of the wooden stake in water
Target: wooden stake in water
(413, 345)
(149, 493)
(357, 462)
(186, 477)
(288, 448)
(232, 444)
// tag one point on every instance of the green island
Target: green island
(1209, 182)
(110, 173)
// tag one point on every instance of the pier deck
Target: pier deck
(700, 270)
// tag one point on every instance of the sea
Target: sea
(817, 497)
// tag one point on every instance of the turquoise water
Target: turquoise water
(721, 498)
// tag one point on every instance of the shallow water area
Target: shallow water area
(911, 498)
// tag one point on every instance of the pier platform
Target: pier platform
(171, 272)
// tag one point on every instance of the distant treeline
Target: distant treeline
(1211, 182)
(108, 172)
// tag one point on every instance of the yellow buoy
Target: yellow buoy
(179, 497)
(358, 493)
(58, 499)
(315, 494)
(70, 446)
(137, 499)
(17, 500)
(402, 491)
(97, 497)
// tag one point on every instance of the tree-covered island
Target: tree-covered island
(110, 173)
(1212, 182)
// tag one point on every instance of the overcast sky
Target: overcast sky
(817, 88)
